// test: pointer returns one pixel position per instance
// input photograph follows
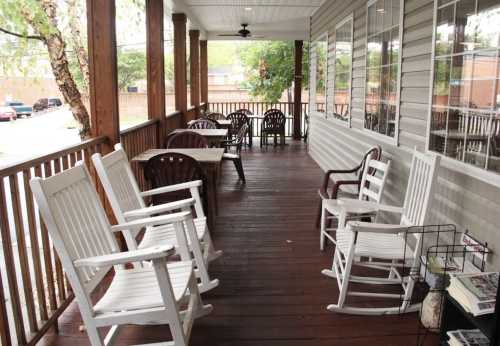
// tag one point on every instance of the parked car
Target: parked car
(7, 113)
(46, 103)
(20, 108)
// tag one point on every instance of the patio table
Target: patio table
(213, 136)
(210, 160)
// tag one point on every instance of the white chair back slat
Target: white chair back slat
(120, 186)
(82, 245)
(100, 241)
(372, 195)
(77, 224)
(373, 180)
(419, 212)
(423, 176)
(118, 181)
(416, 189)
(379, 165)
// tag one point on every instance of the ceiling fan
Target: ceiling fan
(243, 32)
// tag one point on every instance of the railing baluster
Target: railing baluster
(47, 255)
(10, 268)
(4, 321)
(33, 304)
(59, 271)
(35, 248)
(21, 250)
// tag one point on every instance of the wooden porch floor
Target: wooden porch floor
(271, 291)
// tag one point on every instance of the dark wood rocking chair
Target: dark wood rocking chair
(233, 150)
(346, 180)
(273, 124)
(185, 139)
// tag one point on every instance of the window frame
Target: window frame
(376, 135)
(344, 21)
(313, 72)
(472, 171)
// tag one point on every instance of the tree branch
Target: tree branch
(31, 37)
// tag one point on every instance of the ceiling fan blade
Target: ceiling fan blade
(229, 35)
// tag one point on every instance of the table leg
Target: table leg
(250, 133)
(212, 196)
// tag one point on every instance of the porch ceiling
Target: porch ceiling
(271, 19)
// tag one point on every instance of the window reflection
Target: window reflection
(382, 66)
(321, 47)
(494, 144)
(465, 120)
(343, 64)
(444, 30)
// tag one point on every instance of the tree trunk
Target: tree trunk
(59, 61)
(77, 41)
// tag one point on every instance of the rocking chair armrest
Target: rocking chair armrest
(348, 203)
(328, 173)
(118, 258)
(172, 188)
(157, 209)
(323, 192)
(359, 226)
(152, 221)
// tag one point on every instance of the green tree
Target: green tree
(34, 29)
(131, 67)
(38, 20)
(269, 67)
(224, 53)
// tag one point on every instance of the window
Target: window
(319, 56)
(465, 110)
(343, 68)
(382, 66)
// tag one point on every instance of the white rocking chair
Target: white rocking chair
(384, 245)
(128, 204)
(84, 240)
(371, 189)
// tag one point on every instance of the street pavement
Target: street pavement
(40, 134)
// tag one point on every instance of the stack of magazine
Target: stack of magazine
(467, 337)
(476, 292)
(435, 269)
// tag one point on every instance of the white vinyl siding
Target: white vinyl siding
(461, 198)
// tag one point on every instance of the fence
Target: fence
(258, 109)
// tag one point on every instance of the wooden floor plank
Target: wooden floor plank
(271, 291)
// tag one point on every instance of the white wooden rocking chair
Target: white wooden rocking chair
(371, 189)
(385, 246)
(128, 204)
(84, 240)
